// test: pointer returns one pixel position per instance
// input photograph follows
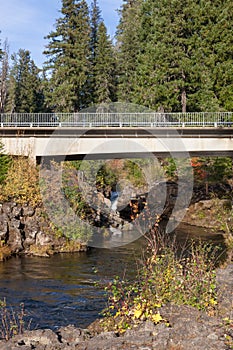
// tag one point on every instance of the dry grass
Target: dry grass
(5, 252)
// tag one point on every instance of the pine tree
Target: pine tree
(128, 47)
(95, 22)
(25, 90)
(4, 70)
(69, 58)
(220, 43)
(95, 19)
(104, 68)
(165, 64)
(182, 58)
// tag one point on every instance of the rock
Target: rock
(7, 207)
(43, 239)
(17, 211)
(15, 239)
(225, 291)
(44, 339)
(31, 227)
(3, 226)
(212, 213)
(71, 335)
(28, 211)
(14, 222)
(107, 202)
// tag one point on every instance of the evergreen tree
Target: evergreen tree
(182, 56)
(104, 68)
(95, 22)
(219, 39)
(25, 90)
(165, 64)
(95, 19)
(4, 70)
(69, 58)
(128, 47)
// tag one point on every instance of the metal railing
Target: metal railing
(190, 119)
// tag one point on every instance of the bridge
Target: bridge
(116, 135)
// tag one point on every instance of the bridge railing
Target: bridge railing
(190, 119)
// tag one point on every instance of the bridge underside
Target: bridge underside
(108, 143)
(107, 156)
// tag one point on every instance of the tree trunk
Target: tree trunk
(183, 101)
(183, 95)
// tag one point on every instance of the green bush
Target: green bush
(164, 277)
(5, 161)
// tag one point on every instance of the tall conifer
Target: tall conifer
(95, 20)
(68, 55)
(104, 68)
(181, 58)
(25, 89)
(128, 47)
(4, 71)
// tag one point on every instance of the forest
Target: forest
(172, 56)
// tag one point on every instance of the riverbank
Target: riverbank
(182, 327)
(25, 230)
(185, 328)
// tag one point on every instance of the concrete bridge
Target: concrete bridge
(116, 135)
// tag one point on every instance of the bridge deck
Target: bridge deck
(116, 132)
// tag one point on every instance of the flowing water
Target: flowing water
(69, 288)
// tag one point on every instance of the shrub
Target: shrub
(166, 276)
(5, 161)
(21, 182)
(11, 322)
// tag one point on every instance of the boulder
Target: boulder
(3, 226)
(15, 239)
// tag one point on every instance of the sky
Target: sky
(25, 23)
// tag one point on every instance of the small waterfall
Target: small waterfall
(114, 200)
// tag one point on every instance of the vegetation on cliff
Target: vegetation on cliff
(21, 183)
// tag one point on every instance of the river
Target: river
(69, 288)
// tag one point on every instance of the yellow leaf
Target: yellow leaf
(157, 318)
(137, 313)
(157, 305)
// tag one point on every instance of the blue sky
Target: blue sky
(25, 23)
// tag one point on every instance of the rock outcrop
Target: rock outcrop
(24, 230)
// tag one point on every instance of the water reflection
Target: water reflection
(62, 290)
